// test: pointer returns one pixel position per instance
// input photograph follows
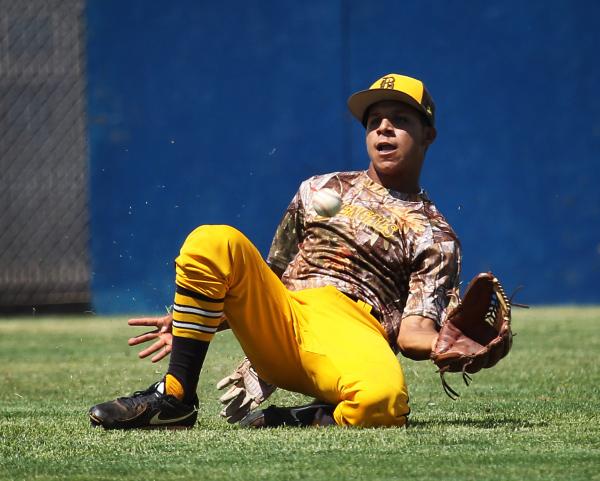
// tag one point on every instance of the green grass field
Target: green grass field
(534, 417)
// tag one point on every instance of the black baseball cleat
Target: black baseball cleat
(149, 409)
(314, 414)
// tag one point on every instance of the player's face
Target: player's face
(397, 140)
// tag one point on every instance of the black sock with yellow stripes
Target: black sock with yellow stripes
(196, 318)
(187, 358)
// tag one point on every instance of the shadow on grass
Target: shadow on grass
(511, 423)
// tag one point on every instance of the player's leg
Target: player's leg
(218, 271)
(220, 263)
(351, 366)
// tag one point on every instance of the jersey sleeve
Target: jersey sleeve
(433, 284)
(288, 235)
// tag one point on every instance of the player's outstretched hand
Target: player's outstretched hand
(162, 335)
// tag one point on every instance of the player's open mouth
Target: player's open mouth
(385, 147)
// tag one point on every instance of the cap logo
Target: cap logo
(387, 83)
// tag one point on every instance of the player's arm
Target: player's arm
(278, 271)
(288, 236)
(417, 337)
(432, 288)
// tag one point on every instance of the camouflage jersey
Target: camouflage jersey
(394, 251)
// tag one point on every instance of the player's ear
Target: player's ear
(429, 135)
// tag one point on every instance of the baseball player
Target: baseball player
(338, 297)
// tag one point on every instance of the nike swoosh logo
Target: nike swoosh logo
(156, 420)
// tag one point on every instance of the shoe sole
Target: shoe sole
(97, 423)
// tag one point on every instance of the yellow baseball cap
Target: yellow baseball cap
(393, 87)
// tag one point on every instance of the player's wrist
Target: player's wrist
(434, 341)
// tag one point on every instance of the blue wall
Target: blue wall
(214, 114)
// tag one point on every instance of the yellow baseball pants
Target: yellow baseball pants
(316, 341)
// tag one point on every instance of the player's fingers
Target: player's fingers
(235, 412)
(147, 336)
(229, 380)
(223, 383)
(151, 349)
(161, 354)
(247, 401)
(233, 393)
(144, 321)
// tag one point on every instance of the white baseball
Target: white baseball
(326, 202)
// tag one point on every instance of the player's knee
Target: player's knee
(211, 245)
(379, 405)
(207, 236)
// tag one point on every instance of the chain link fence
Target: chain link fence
(44, 258)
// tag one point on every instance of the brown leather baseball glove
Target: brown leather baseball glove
(477, 333)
